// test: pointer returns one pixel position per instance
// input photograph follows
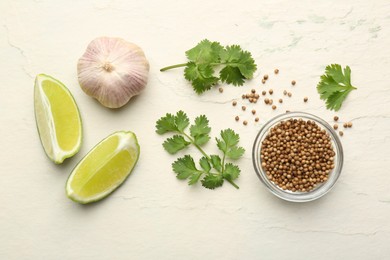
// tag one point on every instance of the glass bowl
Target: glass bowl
(322, 188)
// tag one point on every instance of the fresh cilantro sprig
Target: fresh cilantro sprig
(335, 85)
(237, 65)
(213, 169)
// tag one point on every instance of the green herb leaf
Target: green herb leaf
(228, 144)
(216, 162)
(204, 163)
(211, 181)
(175, 143)
(194, 178)
(231, 171)
(181, 121)
(184, 167)
(200, 130)
(335, 85)
(166, 124)
(236, 65)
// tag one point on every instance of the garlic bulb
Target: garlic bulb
(113, 71)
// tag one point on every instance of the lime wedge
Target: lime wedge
(57, 117)
(104, 168)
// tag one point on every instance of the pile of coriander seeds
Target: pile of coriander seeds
(297, 155)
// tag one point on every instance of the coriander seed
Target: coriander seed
(305, 99)
(293, 82)
(265, 76)
(220, 90)
(271, 91)
(273, 107)
(253, 90)
(335, 126)
(243, 108)
(289, 94)
(237, 118)
(263, 81)
(234, 103)
(341, 133)
(264, 92)
(349, 124)
(256, 119)
(345, 125)
(253, 111)
(243, 96)
(280, 100)
(335, 118)
(245, 122)
(276, 71)
(266, 101)
(284, 92)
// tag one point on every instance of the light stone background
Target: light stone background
(154, 215)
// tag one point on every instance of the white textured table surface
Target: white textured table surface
(154, 215)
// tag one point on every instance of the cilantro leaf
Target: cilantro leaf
(228, 144)
(175, 143)
(205, 52)
(184, 167)
(181, 120)
(211, 181)
(231, 171)
(236, 65)
(216, 162)
(200, 130)
(204, 163)
(335, 85)
(195, 178)
(166, 124)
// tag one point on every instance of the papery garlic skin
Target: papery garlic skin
(112, 71)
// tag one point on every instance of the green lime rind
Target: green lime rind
(78, 146)
(84, 201)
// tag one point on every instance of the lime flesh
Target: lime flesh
(104, 168)
(57, 117)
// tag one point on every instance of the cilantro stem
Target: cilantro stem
(197, 146)
(173, 66)
(232, 183)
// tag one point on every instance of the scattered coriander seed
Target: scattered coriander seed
(264, 92)
(256, 119)
(220, 90)
(247, 96)
(293, 82)
(245, 122)
(234, 103)
(237, 118)
(287, 111)
(335, 126)
(251, 100)
(271, 101)
(257, 96)
(271, 91)
(266, 101)
(263, 81)
(280, 100)
(243, 96)
(335, 118)
(253, 111)
(345, 125)
(265, 76)
(243, 108)
(253, 90)
(349, 124)
(273, 107)
(305, 99)
(276, 71)
(289, 94)
(255, 100)
(341, 133)
(284, 92)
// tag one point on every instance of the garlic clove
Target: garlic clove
(113, 71)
